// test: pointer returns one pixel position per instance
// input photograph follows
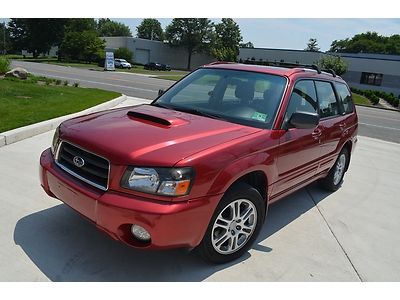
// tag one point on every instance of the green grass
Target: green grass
(140, 70)
(27, 102)
(171, 77)
(358, 99)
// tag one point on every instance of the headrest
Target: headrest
(245, 91)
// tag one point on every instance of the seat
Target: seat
(245, 92)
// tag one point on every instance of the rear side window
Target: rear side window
(303, 99)
(344, 97)
(328, 106)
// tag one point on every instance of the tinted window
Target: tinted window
(247, 98)
(327, 100)
(344, 97)
(303, 98)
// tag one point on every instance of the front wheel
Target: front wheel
(335, 176)
(234, 226)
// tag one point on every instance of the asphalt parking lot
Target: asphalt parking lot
(350, 235)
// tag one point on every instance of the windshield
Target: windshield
(241, 97)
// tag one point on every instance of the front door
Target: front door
(299, 153)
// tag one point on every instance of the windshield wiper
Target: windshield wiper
(190, 111)
(161, 105)
(198, 112)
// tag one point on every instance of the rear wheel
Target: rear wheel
(335, 176)
(234, 226)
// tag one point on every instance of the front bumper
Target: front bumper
(170, 224)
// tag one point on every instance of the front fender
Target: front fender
(256, 162)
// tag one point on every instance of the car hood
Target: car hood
(149, 135)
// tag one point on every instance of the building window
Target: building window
(371, 78)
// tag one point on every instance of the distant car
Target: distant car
(122, 63)
(157, 66)
(165, 67)
(152, 66)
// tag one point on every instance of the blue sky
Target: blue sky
(295, 33)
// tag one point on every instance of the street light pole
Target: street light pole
(4, 38)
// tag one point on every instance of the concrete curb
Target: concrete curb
(378, 107)
(18, 134)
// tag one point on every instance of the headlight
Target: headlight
(56, 140)
(162, 181)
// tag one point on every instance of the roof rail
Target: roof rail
(220, 63)
(330, 71)
(313, 67)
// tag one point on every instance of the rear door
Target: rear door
(331, 123)
(299, 152)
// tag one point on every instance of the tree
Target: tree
(312, 45)
(150, 29)
(106, 27)
(336, 63)
(246, 45)
(81, 24)
(226, 40)
(124, 53)
(5, 46)
(369, 42)
(82, 45)
(36, 35)
(194, 34)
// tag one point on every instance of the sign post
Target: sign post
(109, 63)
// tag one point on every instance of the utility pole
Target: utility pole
(4, 37)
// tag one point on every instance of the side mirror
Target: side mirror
(160, 92)
(304, 120)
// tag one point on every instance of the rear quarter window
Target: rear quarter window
(328, 105)
(344, 97)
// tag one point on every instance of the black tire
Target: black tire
(331, 183)
(240, 192)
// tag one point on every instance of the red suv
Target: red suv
(199, 166)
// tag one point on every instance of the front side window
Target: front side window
(328, 106)
(241, 97)
(303, 99)
(344, 97)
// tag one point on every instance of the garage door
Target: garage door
(142, 56)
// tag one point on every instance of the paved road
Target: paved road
(376, 123)
(379, 123)
(135, 85)
(312, 235)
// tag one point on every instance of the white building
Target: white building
(365, 71)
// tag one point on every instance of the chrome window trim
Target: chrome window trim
(77, 175)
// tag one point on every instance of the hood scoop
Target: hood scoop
(150, 118)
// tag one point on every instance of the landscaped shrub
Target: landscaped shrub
(58, 82)
(66, 82)
(4, 65)
(76, 84)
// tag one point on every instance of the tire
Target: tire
(221, 245)
(333, 181)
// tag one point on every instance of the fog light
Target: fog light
(140, 233)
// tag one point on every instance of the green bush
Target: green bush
(58, 82)
(124, 53)
(66, 82)
(4, 65)
(76, 84)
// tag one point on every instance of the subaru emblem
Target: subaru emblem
(78, 161)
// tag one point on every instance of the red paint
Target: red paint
(219, 151)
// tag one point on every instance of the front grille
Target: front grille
(94, 171)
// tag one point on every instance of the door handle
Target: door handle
(316, 133)
(342, 126)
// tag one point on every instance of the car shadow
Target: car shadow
(67, 247)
